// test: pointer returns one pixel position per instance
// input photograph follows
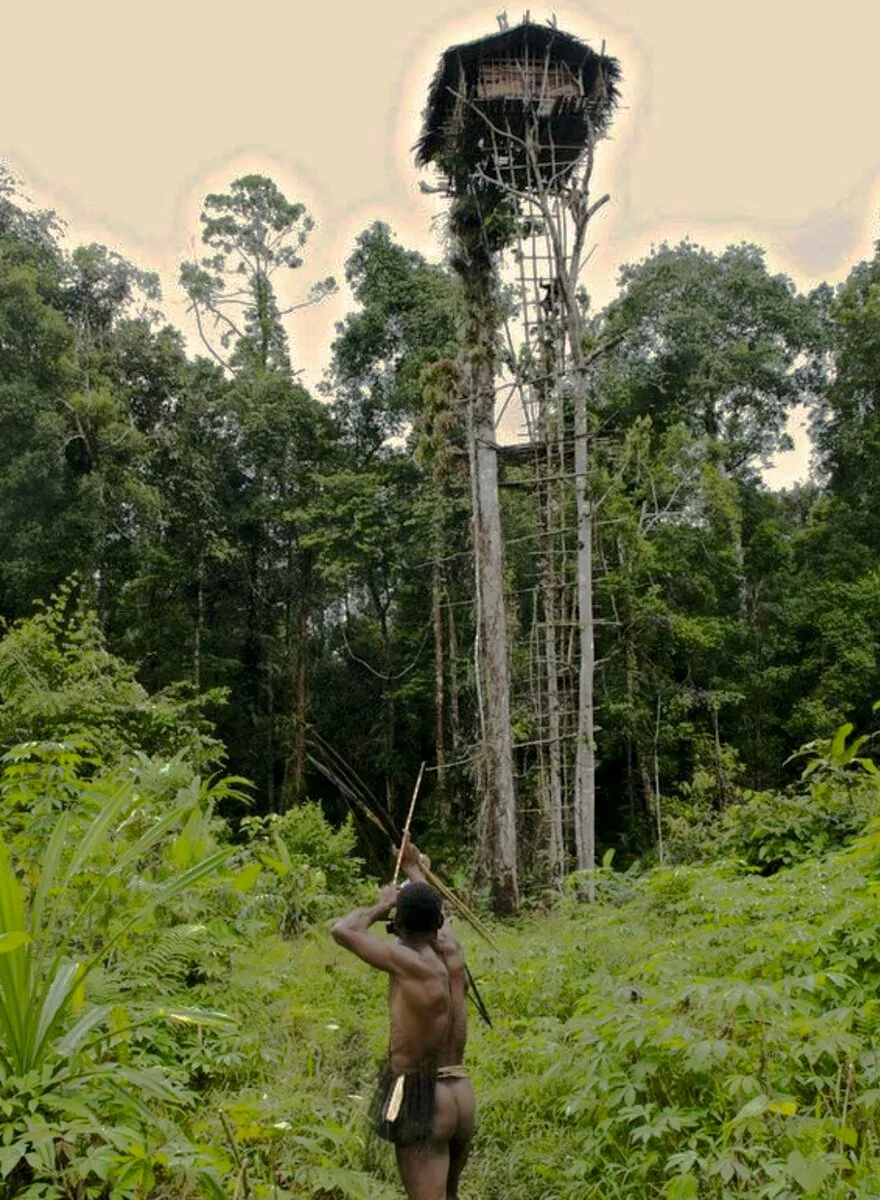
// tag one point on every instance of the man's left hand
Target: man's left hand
(388, 897)
(410, 857)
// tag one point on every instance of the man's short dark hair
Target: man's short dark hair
(418, 909)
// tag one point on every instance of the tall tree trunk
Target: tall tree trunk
(554, 733)
(584, 806)
(585, 752)
(200, 621)
(454, 713)
(439, 687)
(500, 863)
(297, 766)
(498, 746)
(550, 604)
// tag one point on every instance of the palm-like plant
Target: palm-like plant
(63, 1090)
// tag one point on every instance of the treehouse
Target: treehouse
(518, 107)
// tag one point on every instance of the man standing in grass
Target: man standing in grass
(425, 1101)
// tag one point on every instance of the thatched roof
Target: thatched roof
(531, 73)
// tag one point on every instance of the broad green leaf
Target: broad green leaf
(753, 1108)
(73, 1107)
(810, 1173)
(682, 1187)
(839, 740)
(100, 828)
(58, 995)
(245, 879)
(75, 1036)
(152, 1082)
(786, 1108)
(11, 1156)
(48, 871)
(210, 1018)
(12, 916)
(12, 940)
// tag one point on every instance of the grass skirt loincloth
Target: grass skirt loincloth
(402, 1109)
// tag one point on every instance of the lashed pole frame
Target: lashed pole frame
(560, 197)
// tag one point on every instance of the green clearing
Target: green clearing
(177, 1022)
(697, 1033)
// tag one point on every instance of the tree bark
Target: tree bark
(498, 747)
(439, 689)
(454, 712)
(550, 604)
(298, 759)
(585, 752)
(475, 269)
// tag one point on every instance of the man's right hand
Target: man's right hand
(412, 862)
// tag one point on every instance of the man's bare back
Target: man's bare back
(427, 1105)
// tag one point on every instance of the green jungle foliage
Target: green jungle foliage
(310, 560)
(176, 1021)
(234, 617)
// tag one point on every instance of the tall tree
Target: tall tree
(847, 425)
(74, 492)
(392, 379)
(472, 260)
(253, 233)
(713, 353)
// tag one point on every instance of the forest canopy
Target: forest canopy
(304, 560)
(238, 618)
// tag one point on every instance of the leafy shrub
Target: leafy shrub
(836, 797)
(308, 834)
(315, 864)
(59, 683)
(103, 844)
(76, 1117)
(608, 886)
(769, 831)
(839, 793)
(713, 1036)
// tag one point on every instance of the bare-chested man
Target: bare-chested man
(425, 1102)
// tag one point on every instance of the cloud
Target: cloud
(831, 240)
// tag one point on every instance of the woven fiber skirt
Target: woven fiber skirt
(402, 1109)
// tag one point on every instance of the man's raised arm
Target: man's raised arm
(352, 932)
(411, 862)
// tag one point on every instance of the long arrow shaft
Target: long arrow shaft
(409, 817)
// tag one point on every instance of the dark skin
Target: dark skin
(426, 1001)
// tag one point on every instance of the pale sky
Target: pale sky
(754, 123)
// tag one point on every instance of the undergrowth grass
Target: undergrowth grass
(712, 1034)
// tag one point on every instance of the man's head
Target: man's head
(418, 910)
